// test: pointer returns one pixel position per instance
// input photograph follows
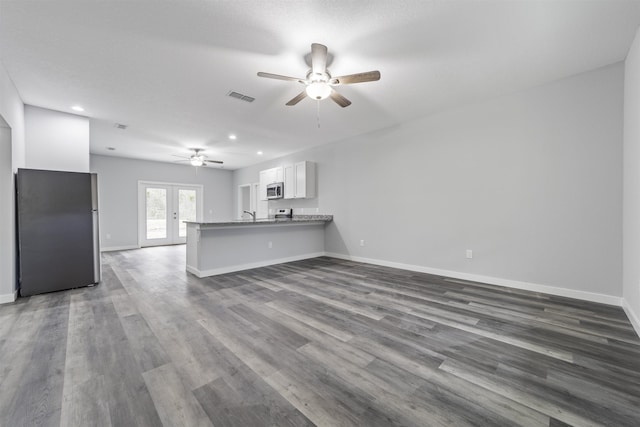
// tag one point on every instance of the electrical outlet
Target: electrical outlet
(361, 242)
(469, 254)
(108, 235)
(270, 244)
(317, 210)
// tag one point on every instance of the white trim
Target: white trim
(179, 184)
(119, 248)
(534, 287)
(633, 318)
(7, 298)
(240, 267)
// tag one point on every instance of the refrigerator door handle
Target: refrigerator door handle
(97, 265)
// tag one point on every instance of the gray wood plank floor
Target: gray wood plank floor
(318, 342)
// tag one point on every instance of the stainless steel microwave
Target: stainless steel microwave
(275, 190)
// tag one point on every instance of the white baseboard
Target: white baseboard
(633, 317)
(240, 267)
(119, 248)
(534, 287)
(7, 298)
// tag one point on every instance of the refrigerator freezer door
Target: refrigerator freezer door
(55, 230)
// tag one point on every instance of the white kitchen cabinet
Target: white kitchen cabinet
(279, 174)
(300, 180)
(289, 182)
(269, 176)
(273, 175)
(305, 173)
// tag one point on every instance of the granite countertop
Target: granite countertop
(268, 221)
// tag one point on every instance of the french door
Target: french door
(162, 210)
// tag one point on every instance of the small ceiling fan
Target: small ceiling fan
(197, 159)
(319, 82)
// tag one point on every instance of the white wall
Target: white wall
(7, 215)
(12, 154)
(118, 194)
(631, 209)
(56, 140)
(530, 182)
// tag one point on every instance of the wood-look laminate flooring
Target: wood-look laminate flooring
(320, 342)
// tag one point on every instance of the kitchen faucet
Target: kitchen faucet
(253, 214)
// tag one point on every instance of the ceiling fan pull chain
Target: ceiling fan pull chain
(318, 113)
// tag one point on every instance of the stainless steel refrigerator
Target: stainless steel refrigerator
(58, 241)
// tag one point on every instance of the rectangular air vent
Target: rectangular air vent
(119, 126)
(240, 96)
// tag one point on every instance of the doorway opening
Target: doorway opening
(244, 201)
(8, 261)
(248, 201)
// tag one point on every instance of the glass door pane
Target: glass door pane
(187, 208)
(156, 213)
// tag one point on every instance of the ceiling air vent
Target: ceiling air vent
(240, 96)
(120, 126)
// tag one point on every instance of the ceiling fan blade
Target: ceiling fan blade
(318, 58)
(339, 99)
(279, 77)
(369, 76)
(182, 157)
(302, 95)
(214, 161)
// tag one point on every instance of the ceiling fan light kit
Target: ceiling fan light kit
(319, 83)
(318, 90)
(198, 159)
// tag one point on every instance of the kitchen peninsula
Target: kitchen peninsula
(222, 247)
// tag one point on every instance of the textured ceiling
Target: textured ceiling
(164, 68)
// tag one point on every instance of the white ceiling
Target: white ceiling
(164, 68)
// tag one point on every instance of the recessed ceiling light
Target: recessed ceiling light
(77, 108)
(259, 153)
(232, 136)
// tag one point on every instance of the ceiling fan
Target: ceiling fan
(319, 82)
(197, 159)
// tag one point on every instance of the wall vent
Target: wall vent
(120, 126)
(240, 96)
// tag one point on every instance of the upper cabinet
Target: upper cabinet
(289, 182)
(269, 176)
(272, 175)
(300, 180)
